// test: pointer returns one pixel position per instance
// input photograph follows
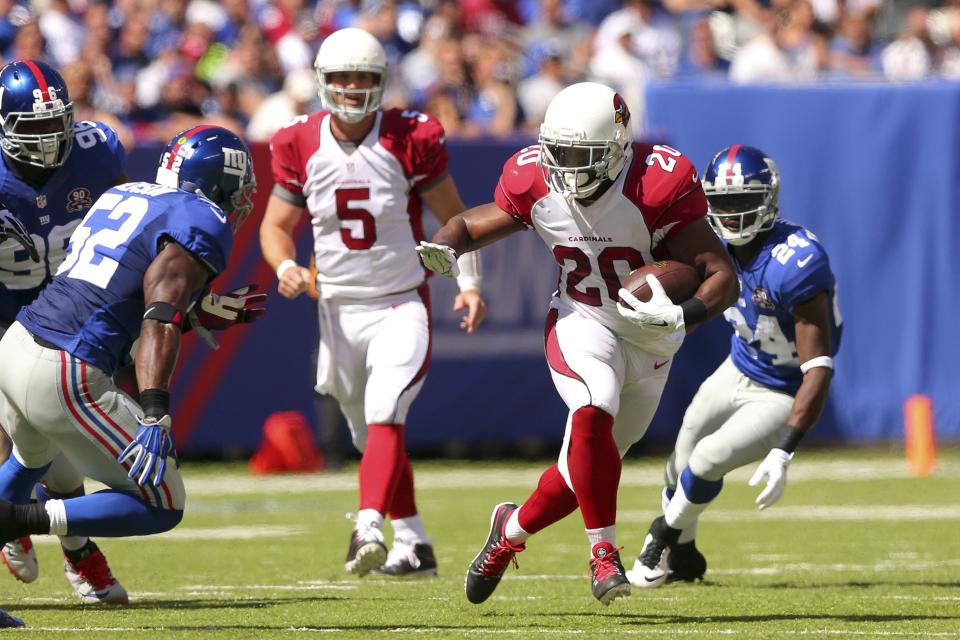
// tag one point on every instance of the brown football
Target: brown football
(679, 280)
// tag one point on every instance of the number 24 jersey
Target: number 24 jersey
(791, 267)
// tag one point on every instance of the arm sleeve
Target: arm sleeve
(430, 154)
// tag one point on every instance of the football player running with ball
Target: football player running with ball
(604, 206)
(143, 255)
(363, 174)
(52, 171)
(773, 386)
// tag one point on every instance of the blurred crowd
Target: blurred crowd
(483, 67)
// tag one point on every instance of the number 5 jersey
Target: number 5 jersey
(363, 201)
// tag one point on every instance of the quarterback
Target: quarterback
(604, 206)
(773, 386)
(363, 174)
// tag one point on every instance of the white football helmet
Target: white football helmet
(351, 50)
(584, 139)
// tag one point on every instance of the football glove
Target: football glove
(151, 446)
(661, 329)
(11, 227)
(217, 312)
(439, 258)
(774, 467)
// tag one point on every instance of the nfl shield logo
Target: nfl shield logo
(41, 201)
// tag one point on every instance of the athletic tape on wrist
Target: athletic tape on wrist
(286, 264)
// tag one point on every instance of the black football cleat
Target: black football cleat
(366, 552)
(407, 560)
(487, 568)
(686, 563)
(609, 579)
(650, 568)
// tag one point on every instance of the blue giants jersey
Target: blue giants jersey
(53, 210)
(94, 305)
(791, 267)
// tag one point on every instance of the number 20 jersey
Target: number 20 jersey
(52, 211)
(791, 267)
(655, 196)
(94, 306)
(364, 205)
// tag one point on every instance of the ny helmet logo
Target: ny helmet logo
(234, 162)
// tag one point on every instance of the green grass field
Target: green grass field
(857, 548)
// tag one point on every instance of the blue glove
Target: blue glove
(152, 445)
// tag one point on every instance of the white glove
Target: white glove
(774, 467)
(439, 258)
(660, 322)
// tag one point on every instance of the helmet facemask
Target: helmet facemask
(334, 98)
(575, 167)
(738, 214)
(41, 138)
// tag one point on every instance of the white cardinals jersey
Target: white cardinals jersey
(655, 196)
(364, 204)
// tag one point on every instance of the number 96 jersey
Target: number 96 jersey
(791, 267)
(363, 202)
(53, 210)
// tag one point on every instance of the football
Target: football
(679, 280)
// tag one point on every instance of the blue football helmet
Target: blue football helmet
(214, 163)
(36, 115)
(743, 191)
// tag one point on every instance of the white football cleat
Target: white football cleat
(651, 567)
(92, 579)
(21, 559)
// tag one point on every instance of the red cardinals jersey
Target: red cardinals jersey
(655, 196)
(364, 204)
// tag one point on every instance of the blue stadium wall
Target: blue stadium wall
(873, 170)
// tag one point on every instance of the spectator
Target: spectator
(535, 93)
(64, 35)
(782, 53)
(614, 61)
(701, 57)
(494, 107)
(910, 57)
(279, 109)
(854, 53)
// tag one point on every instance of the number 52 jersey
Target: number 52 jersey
(94, 306)
(791, 267)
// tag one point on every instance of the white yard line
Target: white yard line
(189, 534)
(494, 476)
(821, 513)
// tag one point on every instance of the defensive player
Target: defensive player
(604, 206)
(51, 173)
(773, 386)
(363, 175)
(142, 257)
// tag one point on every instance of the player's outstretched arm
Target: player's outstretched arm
(170, 283)
(476, 228)
(812, 326)
(698, 246)
(276, 243)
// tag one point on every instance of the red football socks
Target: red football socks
(403, 504)
(381, 466)
(550, 502)
(594, 464)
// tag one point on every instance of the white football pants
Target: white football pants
(374, 357)
(732, 421)
(592, 366)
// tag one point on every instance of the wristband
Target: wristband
(286, 264)
(792, 438)
(820, 361)
(694, 311)
(155, 403)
